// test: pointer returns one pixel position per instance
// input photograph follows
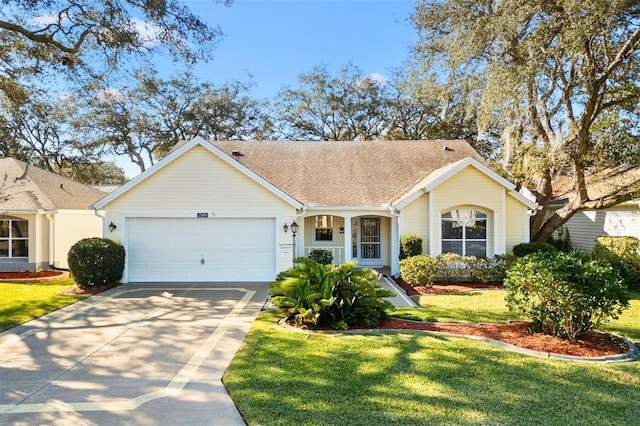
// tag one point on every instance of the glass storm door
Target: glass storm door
(370, 242)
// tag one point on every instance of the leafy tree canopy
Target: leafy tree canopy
(557, 80)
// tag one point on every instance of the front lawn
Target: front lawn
(280, 377)
(23, 302)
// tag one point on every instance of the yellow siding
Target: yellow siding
(415, 220)
(71, 228)
(517, 221)
(199, 181)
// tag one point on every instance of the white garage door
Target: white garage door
(208, 249)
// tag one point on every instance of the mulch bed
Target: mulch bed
(9, 275)
(75, 290)
(592, 344)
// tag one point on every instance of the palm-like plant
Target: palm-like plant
(315, 295)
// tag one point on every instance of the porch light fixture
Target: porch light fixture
(112, 227)
(285, 227)
(294, 228)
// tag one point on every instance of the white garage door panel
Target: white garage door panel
(162, 249)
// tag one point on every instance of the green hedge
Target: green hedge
(565, 294)
(419, 270)
(410, 245)
(96, 261)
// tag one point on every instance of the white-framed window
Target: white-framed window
(464, 231)
(14, 237)
(324, 228)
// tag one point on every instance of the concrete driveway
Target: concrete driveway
(139, 354)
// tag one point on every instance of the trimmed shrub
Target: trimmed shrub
(410, 245)
(490, 270)
(622, 253)
(315, 295)
(617, 249)
(96, 261)
(322, 256)
(419, 270)
(455, 268)
(565, 294)
(523, 249)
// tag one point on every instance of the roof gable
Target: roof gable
(438, 177)
(181, 150)
(24, 187)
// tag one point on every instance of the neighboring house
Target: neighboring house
(42, 215)
(216, 211)
(586, 225)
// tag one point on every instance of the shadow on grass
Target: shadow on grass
(281, 377)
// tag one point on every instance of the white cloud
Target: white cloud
(111, 94)
(44, 20)
(149, 32)
(378, 78)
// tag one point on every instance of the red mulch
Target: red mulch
(91, 290)
(8, 275)
(592, 344)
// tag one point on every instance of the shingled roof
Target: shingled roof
(24, 187)
(344, 174)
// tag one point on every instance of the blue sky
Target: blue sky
(272, 42)
(276, 40)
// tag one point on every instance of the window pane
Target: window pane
(324, 234)
(450, 232)
(4, 228)
(452, 247)
(476, 248)
(20, 248)
(4, 248)
(19, 229)
(478, 231)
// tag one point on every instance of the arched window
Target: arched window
(464, 232)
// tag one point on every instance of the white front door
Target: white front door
(367, 241)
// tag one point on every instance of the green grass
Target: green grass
(24, 302)
(482, 306)
(280, 377)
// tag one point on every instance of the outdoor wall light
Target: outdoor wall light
(285, 227)
(112, 227)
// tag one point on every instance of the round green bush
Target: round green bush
(419, 270)
(410, 245)
(96, 261)
(322, 256)
(523, 249)
(565, 294)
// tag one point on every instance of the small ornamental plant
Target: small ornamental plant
(313, 295)
(419, 270)
(96, 261)
(322, 256)
(565, 294)
(410, 245)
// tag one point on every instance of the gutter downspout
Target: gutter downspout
(52, 258)
(95, 211)
(395, 255)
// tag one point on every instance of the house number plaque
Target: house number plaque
(202, 214)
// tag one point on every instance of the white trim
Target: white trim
(178, 153)
(276, 217)
(455, 168)
(504, 224)
(352, 208)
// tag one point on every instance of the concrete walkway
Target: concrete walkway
(151, 354)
